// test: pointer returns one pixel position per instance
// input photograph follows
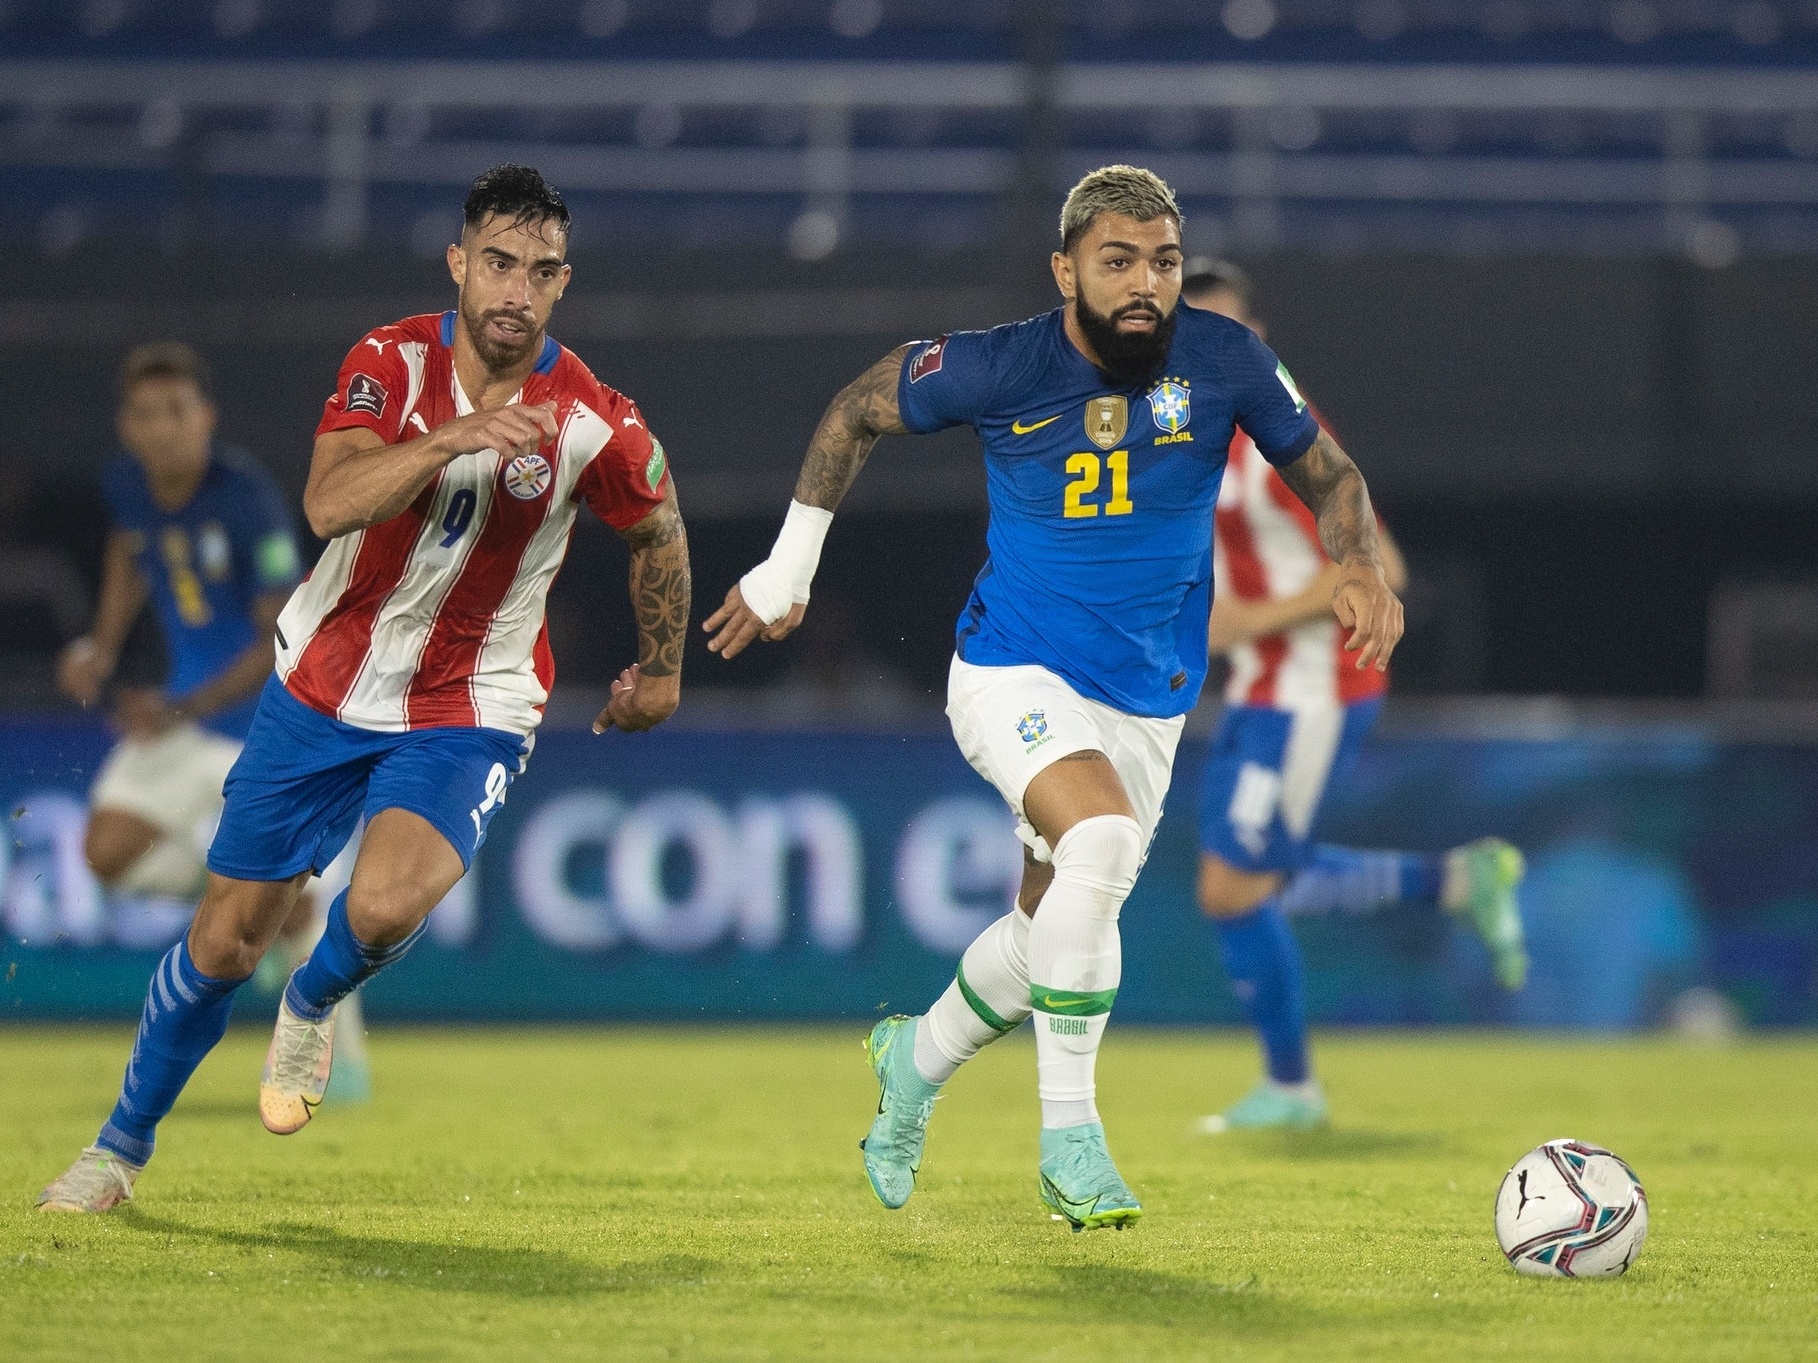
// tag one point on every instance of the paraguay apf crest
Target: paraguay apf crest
(527, 476)
(1106, 420)
(1171, 405)
(1033, 728)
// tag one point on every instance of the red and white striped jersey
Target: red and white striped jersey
(435, 617)
(1265, 547)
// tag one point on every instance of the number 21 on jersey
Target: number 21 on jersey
(1086, 473)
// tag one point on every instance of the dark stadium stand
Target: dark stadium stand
(1333, 126)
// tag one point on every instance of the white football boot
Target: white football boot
(296, 1071)
(98, 1181)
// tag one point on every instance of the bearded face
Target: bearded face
(1134, 357)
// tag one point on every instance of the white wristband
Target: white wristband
(781, 581)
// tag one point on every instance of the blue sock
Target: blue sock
(340, 963)
(185, 1015)
(1263, 960)
(1351, 880)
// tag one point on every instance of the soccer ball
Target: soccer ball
(1571, 1210)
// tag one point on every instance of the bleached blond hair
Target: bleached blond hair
(1128, 190)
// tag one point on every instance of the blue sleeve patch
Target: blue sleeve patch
(948, 381)
(1270, 407)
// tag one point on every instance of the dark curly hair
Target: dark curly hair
(516, 192)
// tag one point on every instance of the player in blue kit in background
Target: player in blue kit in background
(202, 533)
(1105, 424)
(1296, 713)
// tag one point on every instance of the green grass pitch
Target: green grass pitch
(656, 1194)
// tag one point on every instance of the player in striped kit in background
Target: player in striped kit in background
(1297, 708)
(413, 663)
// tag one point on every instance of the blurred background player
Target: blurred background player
(1297, 708)
(202, 532)
(1081, 650)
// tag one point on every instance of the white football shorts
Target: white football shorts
(172, 781)
(1012, 722)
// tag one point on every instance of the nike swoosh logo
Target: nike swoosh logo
(1018, 428)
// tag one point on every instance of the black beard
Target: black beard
(495, 357)
(1131, 359)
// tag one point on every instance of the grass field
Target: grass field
(645, 1194)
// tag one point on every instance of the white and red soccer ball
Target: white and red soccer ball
(1571, 1210)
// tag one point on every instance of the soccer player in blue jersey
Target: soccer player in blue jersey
(1105, 424)
(202, 533)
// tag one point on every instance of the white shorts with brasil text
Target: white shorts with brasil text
(1012, 722)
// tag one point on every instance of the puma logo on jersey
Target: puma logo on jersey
(1018, 428)
(416, 420)
(375, 343)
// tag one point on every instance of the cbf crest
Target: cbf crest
(1032, 728)
(1171, 405)
(1106, 420)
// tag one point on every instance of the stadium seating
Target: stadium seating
(810, 125)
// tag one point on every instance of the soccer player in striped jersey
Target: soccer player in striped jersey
(1296, 710)
(413, 663)
(1104, 424)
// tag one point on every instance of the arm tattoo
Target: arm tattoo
(660, 588)
(1333, 489)
(864, 410)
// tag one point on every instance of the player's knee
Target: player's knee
(226, 947)
(1226, 892)
(108, 855)
(1037, 877)
(384, 913)
(1104, 852)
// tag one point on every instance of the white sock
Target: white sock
(1076, 961)
(995, 971)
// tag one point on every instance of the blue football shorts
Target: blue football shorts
(304, 781)
(1267, 776)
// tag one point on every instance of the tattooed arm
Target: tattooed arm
(862, 411)
(1333, 489)
(647, 693)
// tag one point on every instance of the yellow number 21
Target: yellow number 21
(1085, 471)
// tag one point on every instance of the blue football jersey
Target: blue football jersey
(206, 563)
(1100, 564)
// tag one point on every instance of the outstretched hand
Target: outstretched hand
(639, 702)
(1364, 605)
(737, 625)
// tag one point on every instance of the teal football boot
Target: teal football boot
(1291, 1107)
(905, 1101)
(1481, 880)
(1079, 1182)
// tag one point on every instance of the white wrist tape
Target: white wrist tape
(782, 580)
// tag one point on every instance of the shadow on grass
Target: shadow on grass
(218, 1109)
(1337, 1143)
(1140, 1296)
(237, 1109)
(440, 1266)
